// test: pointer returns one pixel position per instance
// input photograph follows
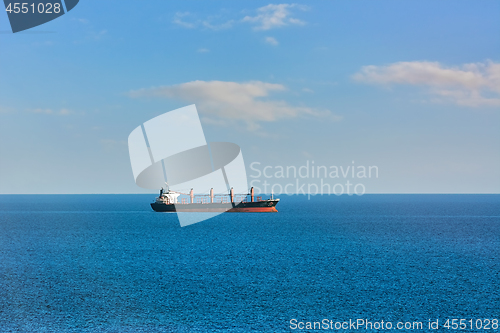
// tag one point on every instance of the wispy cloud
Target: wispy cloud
(266, 18)
(190, 21)
(81, 20)
(203, 50)
(272, 41)
(179, 19)
(474, 85)
(217, 26)
(61, 112)
(275, 16)
(222, 102)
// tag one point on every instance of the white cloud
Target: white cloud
(220, 26)
(268, 17)
(272, 41)
(62, 112)
(475, 84)
(179, 20)
(189, 21)
(203, 50)
(274, 16)
(222, 102)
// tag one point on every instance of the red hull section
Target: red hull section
(253, 210)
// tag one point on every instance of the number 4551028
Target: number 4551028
(478, 324)
(47, 8)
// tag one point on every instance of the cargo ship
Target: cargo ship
(168, 201)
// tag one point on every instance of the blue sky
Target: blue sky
(412, 87)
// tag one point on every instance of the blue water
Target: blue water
(107, 263)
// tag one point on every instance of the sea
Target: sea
(108, 263)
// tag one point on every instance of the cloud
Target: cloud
(203, 50)
(222, 102)
(272, 41)
(473, 85)
(188, 20)
(274, 16)
(178, 19)
(221, 26)
(268, 17)
(62, 112)
(81, 20)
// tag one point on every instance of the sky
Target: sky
(411, 87)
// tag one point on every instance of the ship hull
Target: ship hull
(266, 206)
